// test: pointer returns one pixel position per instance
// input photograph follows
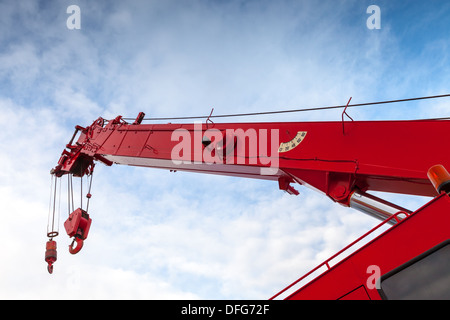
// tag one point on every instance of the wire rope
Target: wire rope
(295, 110)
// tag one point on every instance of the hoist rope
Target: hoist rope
(89, 192)
(295, 110)
(50, 206)
(53, 213)
(70, 194)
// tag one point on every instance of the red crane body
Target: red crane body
(342, 160)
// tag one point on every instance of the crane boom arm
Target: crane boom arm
(334, 158)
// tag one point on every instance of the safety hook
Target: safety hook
(78, 247)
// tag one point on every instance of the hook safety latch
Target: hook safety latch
(77, 226)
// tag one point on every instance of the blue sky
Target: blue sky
(161, 235)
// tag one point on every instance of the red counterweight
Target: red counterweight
(77, 226)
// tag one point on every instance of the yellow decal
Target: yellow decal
(288, 146)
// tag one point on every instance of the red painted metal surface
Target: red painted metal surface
(77, 225)
(391, 156)
(353, 276)
(50, 254)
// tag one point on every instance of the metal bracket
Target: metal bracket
(344, 112)
(284, 184)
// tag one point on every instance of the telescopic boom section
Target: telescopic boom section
(335, 158)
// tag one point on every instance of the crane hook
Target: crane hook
(50, 254)
(78, 247)
(77, 226)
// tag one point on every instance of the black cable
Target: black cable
(294, 110)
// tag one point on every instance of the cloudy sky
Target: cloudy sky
(162, 235)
